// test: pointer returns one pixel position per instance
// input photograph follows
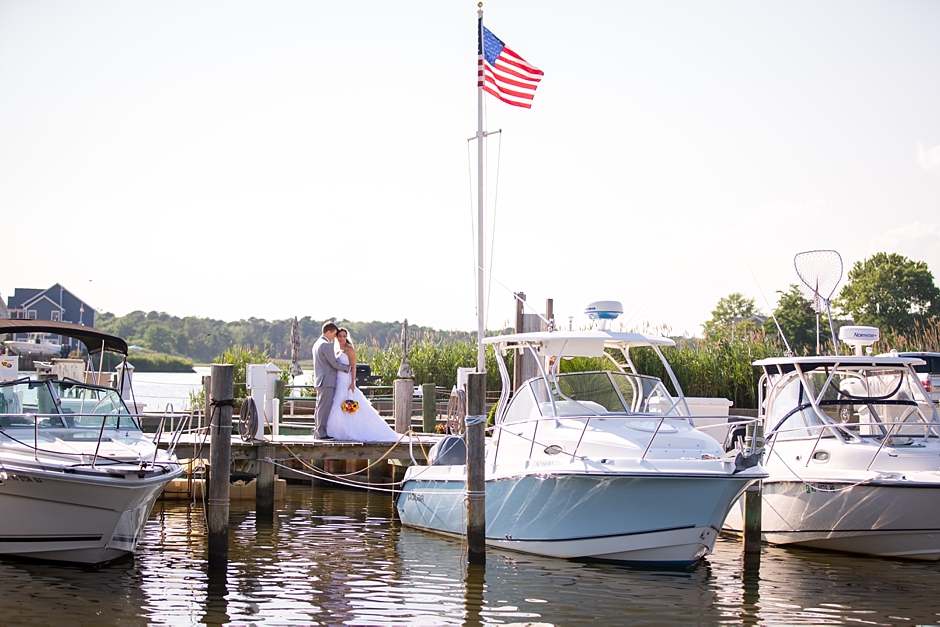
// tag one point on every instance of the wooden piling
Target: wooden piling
(217, 506)
(264, 488)
(476, 460)
(428, 407)
(752, 504)
(403, 393)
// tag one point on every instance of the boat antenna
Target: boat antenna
(820, 271)
(783, 336)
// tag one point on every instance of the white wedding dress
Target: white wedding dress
(365, 424)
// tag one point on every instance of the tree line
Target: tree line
(887, 290)
(203, 339)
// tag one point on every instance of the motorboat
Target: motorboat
(603, 465)
(78, 477)
(853, 453)
(35, 346)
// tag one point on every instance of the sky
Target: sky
(235, 159)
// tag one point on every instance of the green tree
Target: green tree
(730, 314)
(160, 338)
(797, 319)
(891, 292)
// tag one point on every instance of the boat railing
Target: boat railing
(890, 434)
(553, 449)
(108, 423)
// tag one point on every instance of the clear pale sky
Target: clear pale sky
(243, 158)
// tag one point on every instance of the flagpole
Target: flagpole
(481, 359)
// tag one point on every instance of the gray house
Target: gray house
(54, 303)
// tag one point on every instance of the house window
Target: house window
(30, 314)
(55, 316)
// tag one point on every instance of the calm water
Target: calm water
(335, 557)
(157, 389)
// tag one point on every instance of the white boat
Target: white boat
(853, 453)
(36, 347)
(78, 477)
(587, 465)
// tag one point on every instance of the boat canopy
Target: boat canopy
(576, 343)
(783, 365)
(92, 338)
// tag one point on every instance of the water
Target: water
(158, 389)
(335, 556)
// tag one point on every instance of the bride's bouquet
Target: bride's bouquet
(350, 406)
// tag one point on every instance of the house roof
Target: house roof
(92, 338)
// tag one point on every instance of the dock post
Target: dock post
(264, 488)
(476, 461)
(520, 323)
(428, 407)
(752, 518)
(403, 394)
(752, 503)
(220, 461)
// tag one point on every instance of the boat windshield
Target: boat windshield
(56, 404)
(869, 401)
(591, 394)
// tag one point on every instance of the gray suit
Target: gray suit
(325, 367)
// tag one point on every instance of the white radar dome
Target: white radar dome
(602, 311)
(857, 337)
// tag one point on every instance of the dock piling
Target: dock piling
(264, 489)
(476, 461)
(221, 401)
(428, 407)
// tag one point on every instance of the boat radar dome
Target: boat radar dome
(602, 311)
(857, 337)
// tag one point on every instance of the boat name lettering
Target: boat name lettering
(414, 496)
(544, 463)
(26, 479)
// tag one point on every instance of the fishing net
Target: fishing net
(820, 272)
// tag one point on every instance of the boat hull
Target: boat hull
(613, 517)
(884, 519)
(88, 520)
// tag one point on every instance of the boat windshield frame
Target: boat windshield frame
(63, 404)
(824, 395)
(555, 346)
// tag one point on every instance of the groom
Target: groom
(325, 367)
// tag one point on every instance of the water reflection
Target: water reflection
(336, 557)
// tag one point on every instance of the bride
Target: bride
(365, 424)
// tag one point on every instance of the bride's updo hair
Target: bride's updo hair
(346, 331)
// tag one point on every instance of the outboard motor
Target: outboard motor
(451, 451)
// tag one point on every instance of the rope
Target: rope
(248, 420)
(324, 474)
(456, 412)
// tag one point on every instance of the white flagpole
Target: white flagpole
(481, 312)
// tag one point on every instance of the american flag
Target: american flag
(504, 74)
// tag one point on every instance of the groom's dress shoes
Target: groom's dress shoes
(327, 437)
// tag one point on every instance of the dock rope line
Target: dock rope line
(320, 473)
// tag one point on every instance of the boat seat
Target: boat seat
(451, 451)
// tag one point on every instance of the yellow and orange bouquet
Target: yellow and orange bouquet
(350, 406)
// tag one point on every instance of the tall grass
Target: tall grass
(925, 336)
(718, 367)
(433, 358)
